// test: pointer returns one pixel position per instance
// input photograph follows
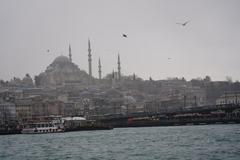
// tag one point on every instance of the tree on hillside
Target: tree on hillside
(207, 79)
(229, 79)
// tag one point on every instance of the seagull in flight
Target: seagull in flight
(183, 24)
(124, 35)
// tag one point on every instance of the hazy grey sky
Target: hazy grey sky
(208, 45)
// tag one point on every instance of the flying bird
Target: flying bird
(183, 24)
(48, 50)
(124, 35)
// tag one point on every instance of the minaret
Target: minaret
(70, 53)
(113, 79)
(99, 69)
(89, 59)
(113, 75)
(119, 67)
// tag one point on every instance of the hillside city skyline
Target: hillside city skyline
(95, 74)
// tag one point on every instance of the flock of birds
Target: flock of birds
(126, 36)
(182, 24)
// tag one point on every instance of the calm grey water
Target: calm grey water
(181, 142)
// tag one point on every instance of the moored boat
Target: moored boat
(43, 125)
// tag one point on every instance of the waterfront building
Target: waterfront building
(7, 112)
(229, 98)
(70, 109)
(17, 83)
(23, 108)
(29, 92)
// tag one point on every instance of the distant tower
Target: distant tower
(99, 69)
(89, 58)
(134, 76)
(119, 67)
(113, 76)
(113, 79)
(70, 53)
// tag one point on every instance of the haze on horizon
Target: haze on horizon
(156, 46)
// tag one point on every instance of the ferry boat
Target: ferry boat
(38, 125)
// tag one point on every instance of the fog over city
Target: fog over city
(34, 33)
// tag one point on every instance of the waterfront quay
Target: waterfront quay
(219, 114)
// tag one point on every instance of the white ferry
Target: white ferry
(43, 125)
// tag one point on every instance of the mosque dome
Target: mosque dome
(61, 59)
(61, 71)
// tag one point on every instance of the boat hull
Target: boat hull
(41, 130)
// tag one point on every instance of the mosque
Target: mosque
(63, 70)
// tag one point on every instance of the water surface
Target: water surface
(213, 142)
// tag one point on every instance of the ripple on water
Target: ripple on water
(180, 142)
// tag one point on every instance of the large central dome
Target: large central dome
(62, 64)
(61, 70)
(61, 59)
